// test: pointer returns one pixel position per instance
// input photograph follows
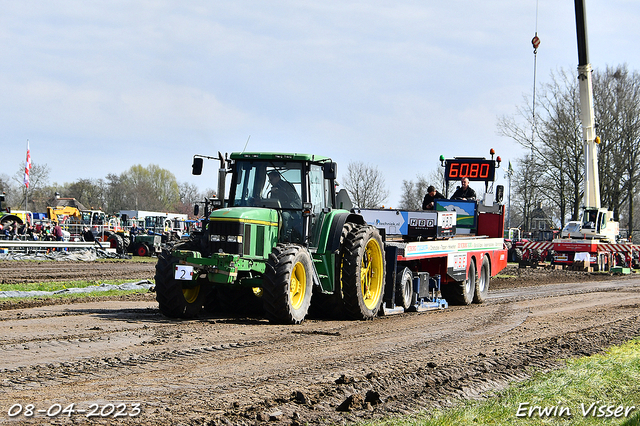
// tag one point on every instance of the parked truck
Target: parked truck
(285, 240)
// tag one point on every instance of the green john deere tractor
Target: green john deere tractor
(281, 242)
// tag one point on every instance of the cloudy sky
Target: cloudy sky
(97, 87)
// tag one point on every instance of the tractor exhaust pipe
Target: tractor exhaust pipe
(222, 174)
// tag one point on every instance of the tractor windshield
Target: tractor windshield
(268, 184)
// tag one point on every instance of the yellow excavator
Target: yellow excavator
(59, 214)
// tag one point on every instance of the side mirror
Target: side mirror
(196, 210)
(499, 193)
(196, 167)
(330, 170)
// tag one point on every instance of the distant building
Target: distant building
(542, 228)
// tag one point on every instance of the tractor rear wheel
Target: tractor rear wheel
(288, 284)
(126, 242)
(482, 283)
(142, 250)
(363, 271)
(175, 299)
(331, 305)
(519, 255)
(404, 288)
(115, 241)
(461, 292)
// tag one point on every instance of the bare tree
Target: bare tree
(35, 194)
(553, 169)
(89, 192)
(189, 195)
(412, 193)
(554, 137)
(115, 193)
(6, 186)
(365, 185)
(617, 107)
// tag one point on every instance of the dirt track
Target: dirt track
(246, 371)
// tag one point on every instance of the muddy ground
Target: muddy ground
(122, 354)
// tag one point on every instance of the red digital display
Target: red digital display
(472, 168)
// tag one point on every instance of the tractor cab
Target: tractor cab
(298, 187)
(273, 198)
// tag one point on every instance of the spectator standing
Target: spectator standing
(57, 232)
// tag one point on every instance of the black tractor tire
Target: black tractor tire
(115, 241)
(331, 306)
(363, 272)
(518, 255)
(461, 292)
(126, 242)
(175, 299)
(288, 284)
(104, 237)
(536, 255)
(404, 288)
(142, 250)
(482, 283)
(10, 220)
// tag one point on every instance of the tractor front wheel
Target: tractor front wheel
(288, 284)
(363, 271)
(175, 299)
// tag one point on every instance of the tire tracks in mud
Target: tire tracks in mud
(220, 371)
(65, 372)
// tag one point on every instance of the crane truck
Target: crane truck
(594, 239)
(286, 241)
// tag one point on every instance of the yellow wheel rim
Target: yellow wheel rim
(371, 274)
(191, 294)
(298, 285)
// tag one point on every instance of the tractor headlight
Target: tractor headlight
(234, 238)
(215, 238)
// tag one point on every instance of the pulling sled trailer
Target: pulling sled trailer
(448, 255)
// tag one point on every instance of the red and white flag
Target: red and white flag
(27, 167)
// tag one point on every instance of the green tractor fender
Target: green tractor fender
(332, 230)
(327, 255)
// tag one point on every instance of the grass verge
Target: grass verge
(602, 389)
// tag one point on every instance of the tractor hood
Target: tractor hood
(251, 215)
(250, 232)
